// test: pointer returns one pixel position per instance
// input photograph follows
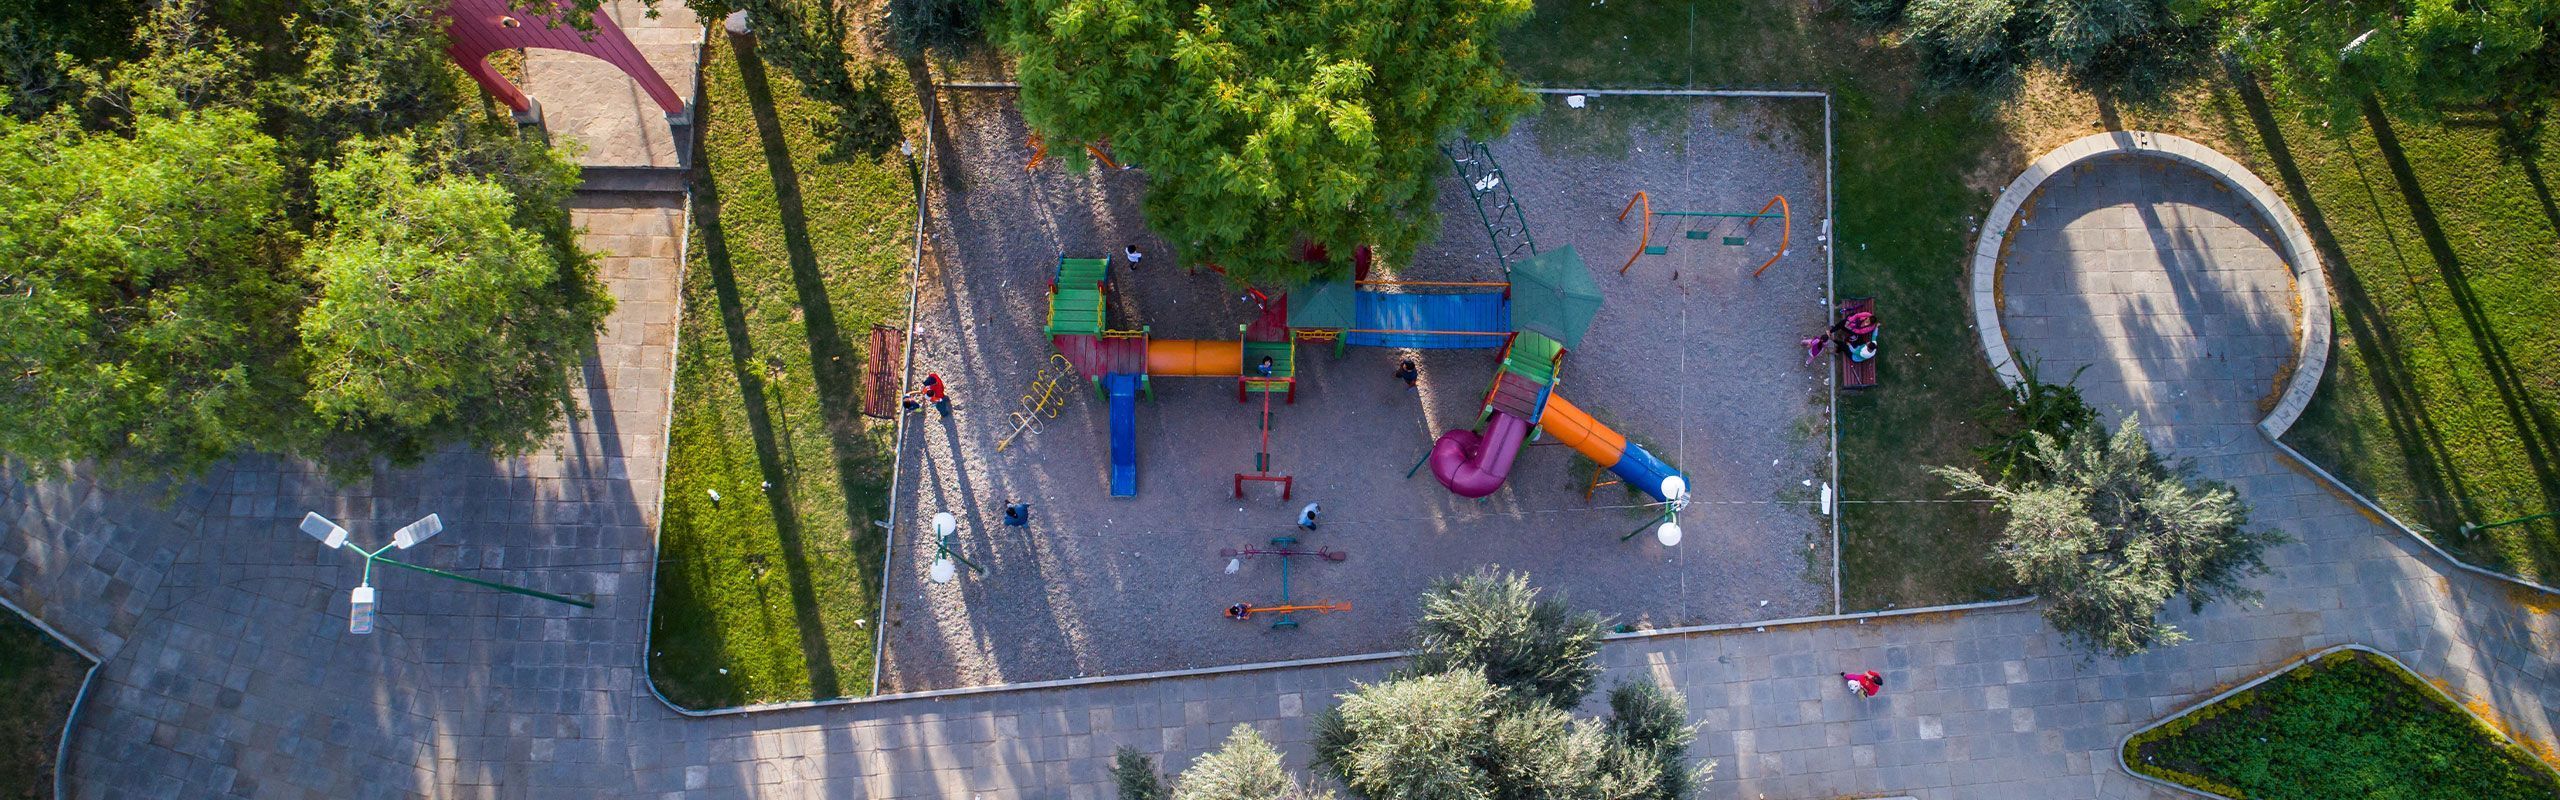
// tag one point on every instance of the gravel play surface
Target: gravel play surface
(1691, 357)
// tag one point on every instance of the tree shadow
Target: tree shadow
(835, 364)
(2521, 140)
(823, 680)
(2413, 430)
(2533, 428)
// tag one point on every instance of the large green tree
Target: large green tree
(139, 295)
(2417, 57)
(437, 319)
(296, 234)
(2109, 532)
(1265, 128)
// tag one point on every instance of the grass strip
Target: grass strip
(766, 593)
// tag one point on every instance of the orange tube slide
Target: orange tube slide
(1582, 433)
(1195, 358)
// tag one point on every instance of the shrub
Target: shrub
(2350, 724)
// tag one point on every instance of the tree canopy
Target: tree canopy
(2137, 48)
(1485, 710)
(2418, 57)
(1497, 624)
(1268, 128)
(2108, 533)
(295, 235)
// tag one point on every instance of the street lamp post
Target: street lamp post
(1666, 528)
(946, 533)
(360, 601)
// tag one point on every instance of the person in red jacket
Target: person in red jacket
(1864, 684)
(933, 391)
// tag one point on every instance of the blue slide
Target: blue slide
(1124, 432)
(1479, 313)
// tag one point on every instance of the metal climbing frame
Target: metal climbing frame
(1495, 206)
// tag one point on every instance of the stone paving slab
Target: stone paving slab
(592, 104)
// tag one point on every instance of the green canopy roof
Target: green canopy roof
(1322, 305)
(1552, 293)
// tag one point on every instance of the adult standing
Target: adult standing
(934, 391)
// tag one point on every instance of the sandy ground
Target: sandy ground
(1703, 368)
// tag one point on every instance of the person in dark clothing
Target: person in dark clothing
(1017, 514)
(1410, 373)
(1264, 368)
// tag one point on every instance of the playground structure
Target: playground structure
(1535, 316)
(1283, 548)
(1646, 247)
(1041, 401)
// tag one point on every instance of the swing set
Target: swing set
(1751, 221)
(1040, 153)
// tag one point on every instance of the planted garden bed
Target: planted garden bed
(2349, 723)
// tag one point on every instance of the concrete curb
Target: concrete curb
(2288, 666)
(675, 351)
(2394, 522)
(71, 716)
(2311, 283)
(1356, 658)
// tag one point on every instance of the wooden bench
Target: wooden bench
(1858, 374)
(880, 372)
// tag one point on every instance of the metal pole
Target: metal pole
(2469, 529)
(942, 547)
(369, 559)
(1666, 517)
(1715, 214)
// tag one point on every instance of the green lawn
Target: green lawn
(2443, 248)
(2348, 725)
(1902, 157)
(40, 677)
(794, 256)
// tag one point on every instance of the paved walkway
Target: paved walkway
(229, 673)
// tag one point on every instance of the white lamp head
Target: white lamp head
(360, 611)
(1668, 534)
(942, 571)
(944, 524)
(1675, 490)
(322, 529)
(418, 531)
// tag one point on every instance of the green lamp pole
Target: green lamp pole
(360, 608)
(946, 536)
(1666, 528)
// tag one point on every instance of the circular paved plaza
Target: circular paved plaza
(2162, 289)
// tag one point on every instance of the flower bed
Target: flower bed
(2351, 723)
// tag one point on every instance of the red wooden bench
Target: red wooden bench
(1858, 374)
(880, 372)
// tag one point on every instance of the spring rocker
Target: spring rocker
(1283, 548)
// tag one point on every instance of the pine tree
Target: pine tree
(2114, 533)
(1496, 624)
(1244, 768)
